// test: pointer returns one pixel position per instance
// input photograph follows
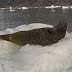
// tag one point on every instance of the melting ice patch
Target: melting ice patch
(24, 28)
(35, 58)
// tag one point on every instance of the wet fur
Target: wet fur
(41, 36)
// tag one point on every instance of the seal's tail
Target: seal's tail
(0, 36)
(4, 37)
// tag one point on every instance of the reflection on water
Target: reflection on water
(21, 17)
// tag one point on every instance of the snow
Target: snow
(35, 58)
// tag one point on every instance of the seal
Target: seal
(41, 36)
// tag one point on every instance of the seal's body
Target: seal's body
(41, 36)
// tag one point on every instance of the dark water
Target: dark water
(48, 16)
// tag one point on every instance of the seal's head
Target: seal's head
(63, 24)
(60, 30)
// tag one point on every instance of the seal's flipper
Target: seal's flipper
(50, 30)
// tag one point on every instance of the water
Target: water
(21, 17)
(35, 58)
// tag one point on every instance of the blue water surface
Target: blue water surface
(16, 18)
